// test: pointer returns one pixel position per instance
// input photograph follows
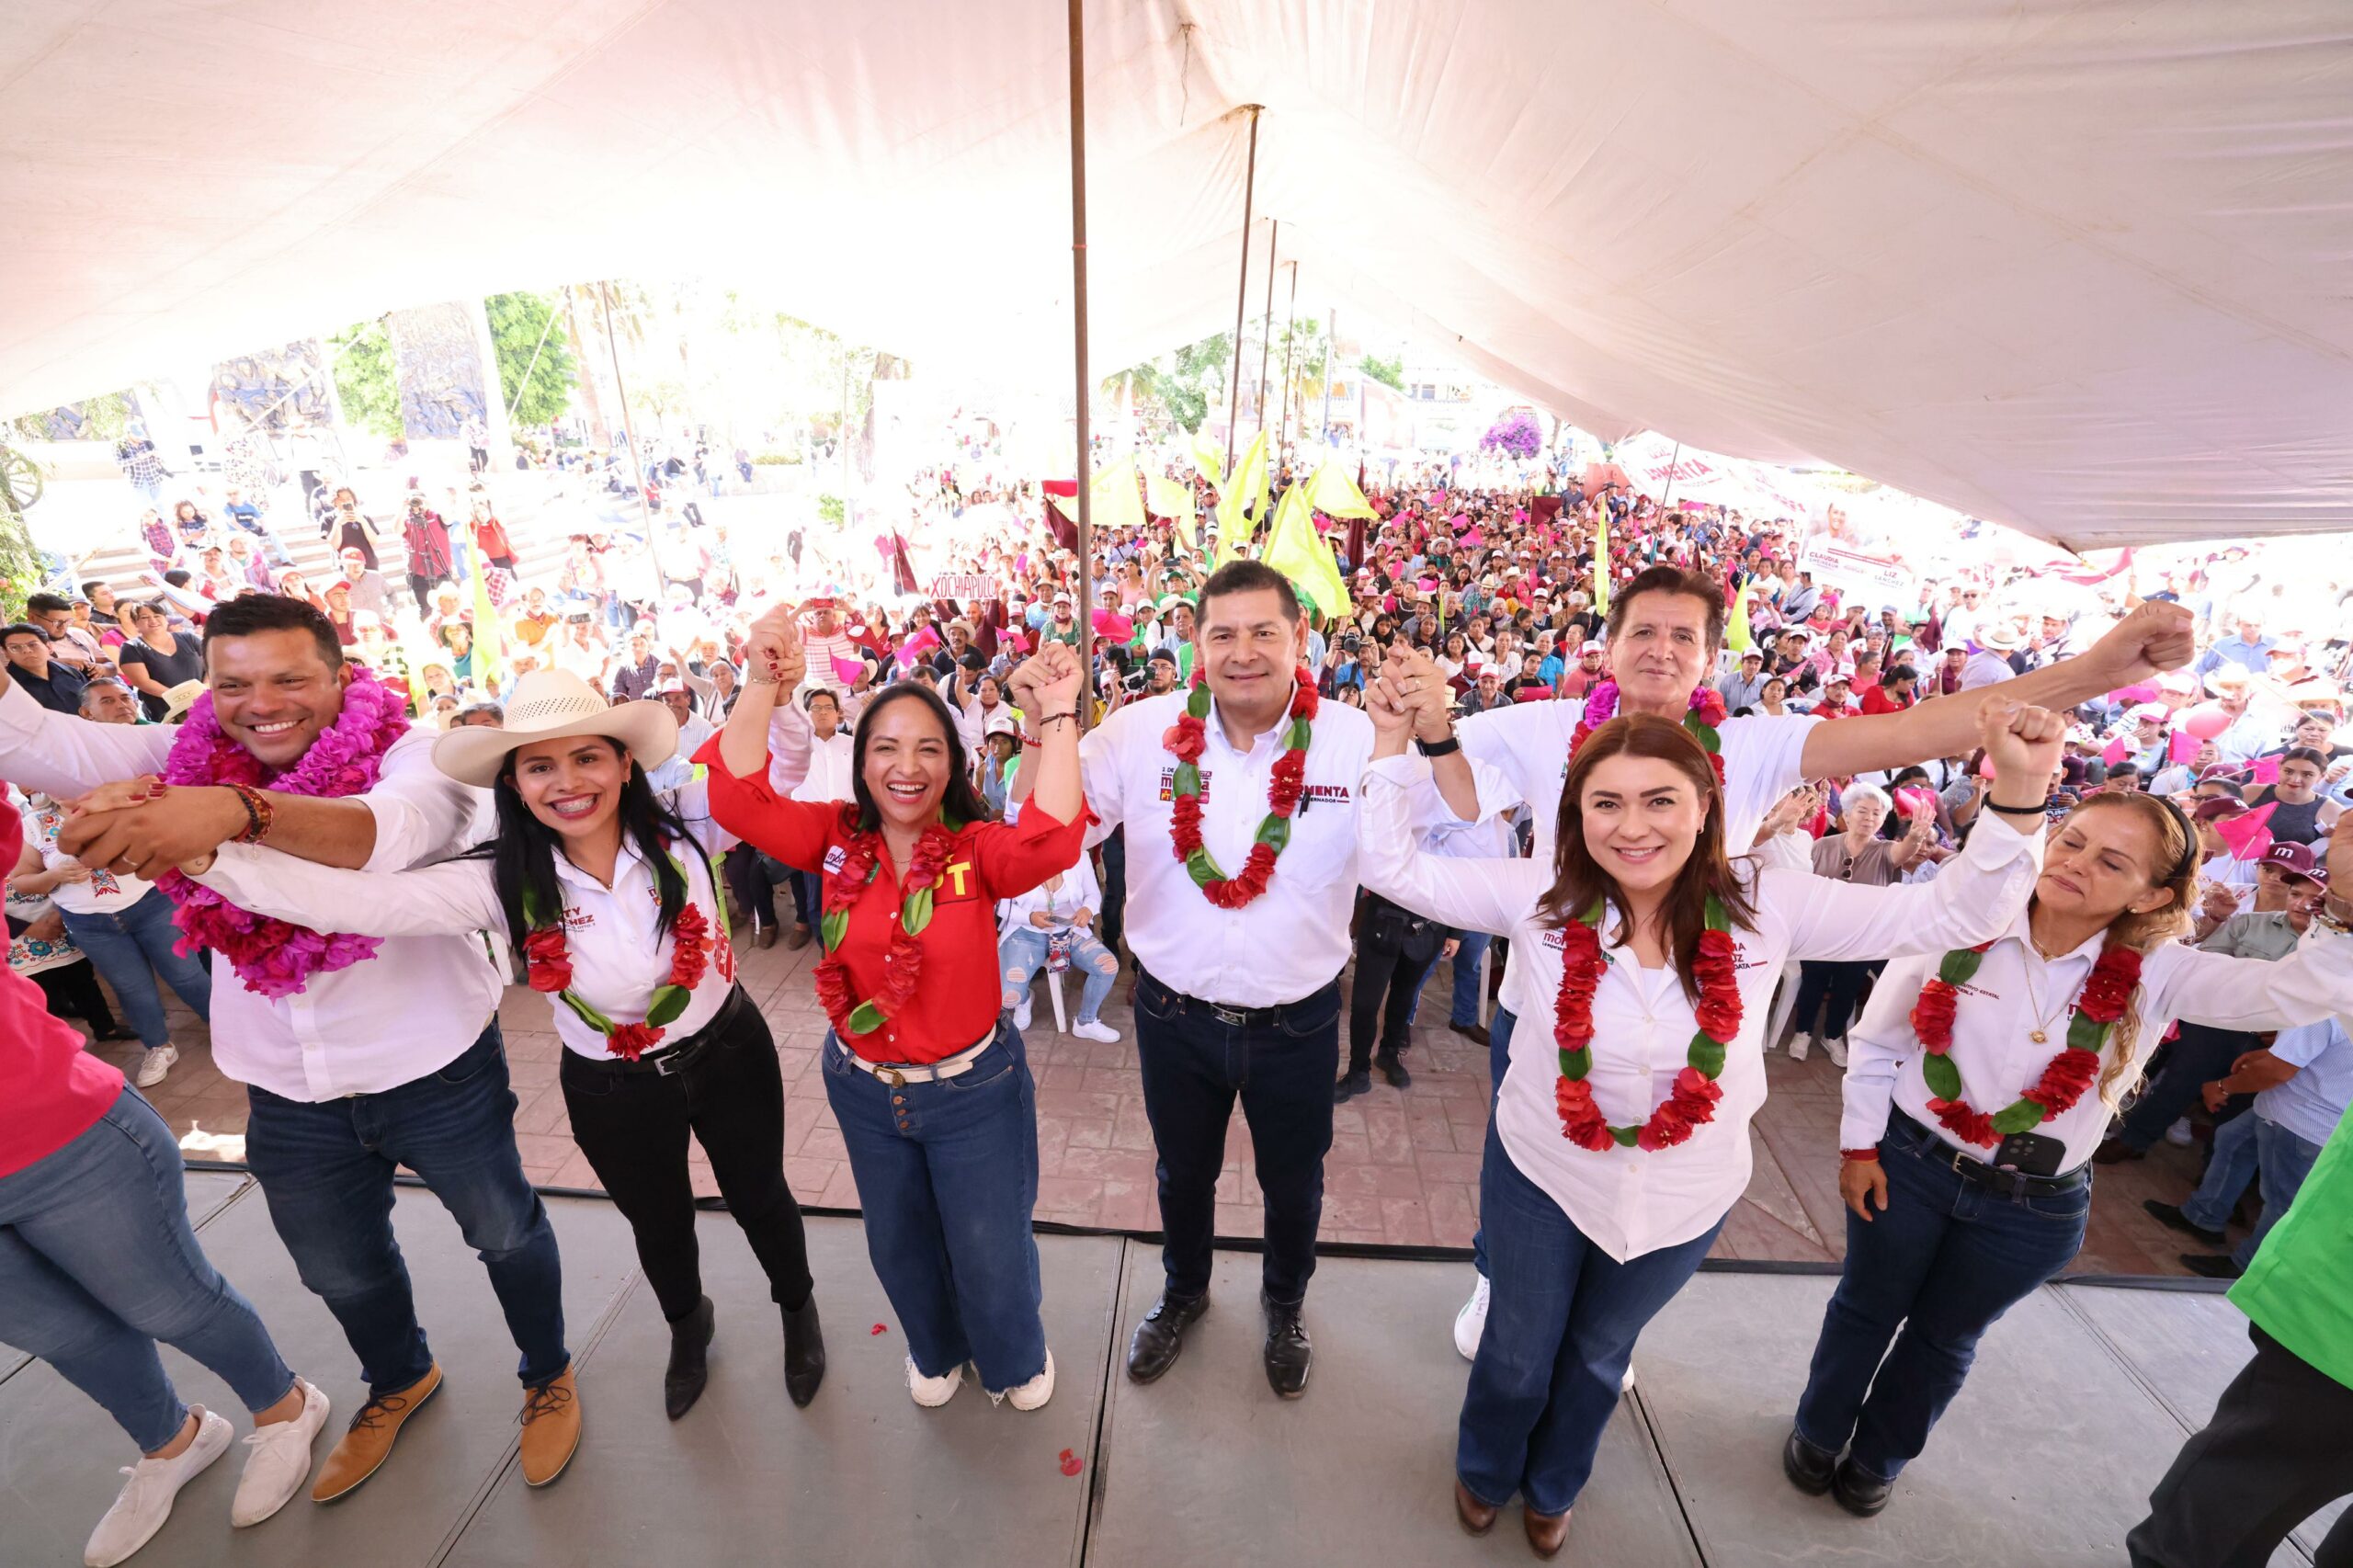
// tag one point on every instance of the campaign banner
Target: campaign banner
(1880, 577)
(963, 585)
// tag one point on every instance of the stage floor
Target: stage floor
(2078, 1402)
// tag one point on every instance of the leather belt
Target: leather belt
(665, 1063)
(898, 1075)
(1977, 1173)
(1232, 1018)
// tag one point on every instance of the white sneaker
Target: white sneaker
(145, 1501)
(280, 1462)
(1036, 1390)
(1096, 1029)
(1471, 1322)
(155, 1064)
(1836, 1049)
(1800, 1043)
(933, 1392)
(1021, 1012)
(2179, 1134)
(1626, 1383)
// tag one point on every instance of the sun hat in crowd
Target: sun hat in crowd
(553, 705)
(2001, 637)
(2145, 712)
(180, 698)
(2228, 678)
(2220, 806)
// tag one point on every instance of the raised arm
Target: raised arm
(2157, 637)
(59, 755)
(450, 899)
(2313, 983)
(1392, 858)
(774, 664)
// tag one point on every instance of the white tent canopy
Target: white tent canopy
(2080, 268)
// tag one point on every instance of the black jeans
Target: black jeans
(2278, 1449)
(2196, 1057)
(1115, 889)
(1282, 1067)
(1840, 985)
(1395, 950)
(748, 884)
(633, 1128)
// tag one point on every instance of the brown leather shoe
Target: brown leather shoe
(798, 938)
(1546, 1531)
(764, 937)
(550, 1429)
(367, 1443)
(1476, 1516)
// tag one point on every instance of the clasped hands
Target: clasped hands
(1409, 694)
(141, 827)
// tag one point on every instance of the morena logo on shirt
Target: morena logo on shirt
(835, 858)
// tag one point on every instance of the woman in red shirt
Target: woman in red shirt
(1894, 693)
(97, 1263)
(925, 1076)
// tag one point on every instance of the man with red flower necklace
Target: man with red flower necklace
(1239, 934)
(1978, 1086)
(351, 1068)
(1665, 637)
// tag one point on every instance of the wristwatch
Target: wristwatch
(1445, 747)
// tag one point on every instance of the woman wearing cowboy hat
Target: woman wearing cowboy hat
(606, 891)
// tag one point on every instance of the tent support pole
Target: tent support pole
(1078, 343)
(1671, 464)
(629, 433)
(1267, 333)
(1241, 296)
(1283, 440)
(1331, 348)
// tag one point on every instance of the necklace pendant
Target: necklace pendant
(2039, 1038)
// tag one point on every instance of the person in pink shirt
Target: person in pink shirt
(97, 1263)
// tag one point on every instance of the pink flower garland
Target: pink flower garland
(276, 957)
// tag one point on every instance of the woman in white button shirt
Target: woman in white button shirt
(1062, 906)
(1604, 1182)
(1967, 1169)
(609, 896)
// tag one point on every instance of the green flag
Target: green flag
(1296, 551)
(1736, 633)
(1242, 504)
(1334, 493)
(1601, 562)
(1209, 459)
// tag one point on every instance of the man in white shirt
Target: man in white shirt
(1666, 630)
(1990, 665)
(679, 770)
(1237, 998)
(359, 1070)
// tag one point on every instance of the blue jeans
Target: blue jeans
(97, 1263)
(1466, 977)
(1941, 1262)
(2285, 1160)
(947, 1175)
(1561, 1329)
(1195, 1067)
(2229, 1168)
(1498, 1057)
(326, 1168)
(1022, 952)
(130, 950)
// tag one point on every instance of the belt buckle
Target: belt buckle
(892, 1076)
(666, 1064)
(1232, 1018)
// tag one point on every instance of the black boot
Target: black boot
(683, 1380)
(1809, 1469)
(1288, 1352)
(1161, 1336)
(1393, 1068)
(1856, 1493)
(804, 1351)
(1355, 1081)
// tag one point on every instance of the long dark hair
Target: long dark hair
(524, 853)
(960, 803)
(1578, 881)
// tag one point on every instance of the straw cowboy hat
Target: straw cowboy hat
(180, 698)
(551, 705)
(2001, 637)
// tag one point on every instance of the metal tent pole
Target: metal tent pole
(1078, 307)
(1289, 326)
(628, 435)
(1267, 333)
(1241, 295)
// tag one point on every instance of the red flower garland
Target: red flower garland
(902, 960)
(1692, 1100)
(546, 966)
(1186, 740)
(2074, 1069)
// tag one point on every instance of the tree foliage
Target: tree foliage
(1390, 373)
(1182, 384)
(366, 380)
(517, 321)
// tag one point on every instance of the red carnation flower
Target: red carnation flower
(1187, 738)
(1719, 1017)
(2110, 986)
(2065, 1080)
(546, 964)
(629, 1042)
(1968, 1126)
(1932, 1016)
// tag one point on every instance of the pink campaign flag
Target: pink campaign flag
(846, 670)
(920, 643)
(1475, 540)
(2115, 752)
(1457, 522)
(2265, 769)
(2248, 835)
(2185, 746)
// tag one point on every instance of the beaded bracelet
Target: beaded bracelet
(260, 815)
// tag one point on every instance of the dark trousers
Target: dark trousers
(1840, 985)
(422, 586)
(1930, 1273)
(749, 885)
(1194, 1066)
(633, 1126)
(808, 897)
(2278, 1449)
(73, 992)
(326, 1169)
(1394, 955)
(2196, 1057)
(1115, 889)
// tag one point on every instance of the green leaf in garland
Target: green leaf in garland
(1716, 918)
(1577, 1064)
(1188, 780)
(832, 926)
(2085, 1033)
(1705, 734)
(1707, 1056)
(1625, 1136)
(1960, 966)
(1202, 869)
(2018, 1116)
(587, 1015)
(866, 1019)
(1944, 1078)
(669, 1001)
(1296, 739)
(918, 914)
(1275, 832)
(1197, 703)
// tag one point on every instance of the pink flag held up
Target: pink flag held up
(2184, 747)
(2248, 835)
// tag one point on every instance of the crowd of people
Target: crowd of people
(2003, 854)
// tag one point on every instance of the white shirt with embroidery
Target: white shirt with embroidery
(1629, 1201)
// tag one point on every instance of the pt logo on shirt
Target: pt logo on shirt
(958, 881)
